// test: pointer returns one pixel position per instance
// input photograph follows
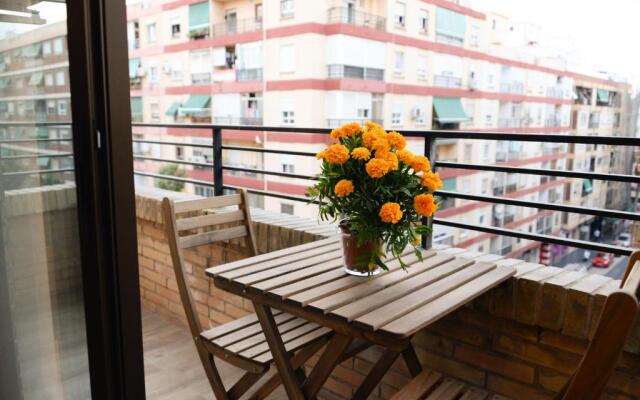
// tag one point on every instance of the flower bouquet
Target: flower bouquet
(378, 190)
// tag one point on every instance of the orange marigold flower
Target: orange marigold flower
(361, 153)
(320, 155)
(336, 154)
(343, 188)
(390, 213)
(381, 144)
(396, 140)
(420, 164)
(377, 168)
(432, 181)
(337, 133)
(389, 157)
(351, 129)
(425, 204)
(372, 126)
(405, 156)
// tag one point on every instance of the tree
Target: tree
(168, 184)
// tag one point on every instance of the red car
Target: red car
(602, 260)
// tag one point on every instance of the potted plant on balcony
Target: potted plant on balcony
(378, 190)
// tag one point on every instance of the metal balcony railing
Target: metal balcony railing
(349, 71)
(430, 139)
(345, 15)
(447, 81)
(336, 122)
(250, 74)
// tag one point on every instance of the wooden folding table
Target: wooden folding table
(309, 281)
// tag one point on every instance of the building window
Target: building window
(60, 78)
(288, 117)
(62, 107)
(286, 208)
(468, 149)
(204, 191)
(175, 27)
(258, 12)
(179, 153)
(287, 58)
(57, 46)
(155, 112)
(399, 62)
(421, 66)
(153, 73)
(399, 14)
(474, 38)
(288, 168)
(51, 107)
(419, 114)
(396, 114)
(151, 33)
(48, 79)
(46, 48)
(286, 9)
(176, 70)
(424, 22)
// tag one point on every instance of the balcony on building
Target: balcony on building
(582, 96)
(199, 25)
(353, 16)
(448, 113)
(450, 27)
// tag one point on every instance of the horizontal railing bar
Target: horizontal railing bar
(262, 172)
(435, 134)
(145, 141)
(28, 156)
(273, 194)
(32, 140)
(539, 171)
(173, 161)
(36, 172)
(29, 123)
(545, 206)
(581, 244)
(174, 178)
(272, 151)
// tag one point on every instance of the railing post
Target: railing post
(429, 142)
(217, 162)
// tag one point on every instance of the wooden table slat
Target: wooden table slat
(404, 305)
(423, 316)
(286, 337)
(374, 301)
(295, 276)
(307, 283)
(329, 303)
(276, 262)
(220, 269)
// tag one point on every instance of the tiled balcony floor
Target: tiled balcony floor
(171, 363)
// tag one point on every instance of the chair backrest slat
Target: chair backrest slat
(209, 202)
(616, 322)
(208, 230)
(213, 236)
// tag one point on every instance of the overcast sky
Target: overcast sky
(605, 33)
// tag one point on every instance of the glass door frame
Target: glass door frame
(98, 66)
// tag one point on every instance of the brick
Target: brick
(219, 317)
(168, 294)
(460, 332)
(197, 283)
(156, 255)
(492, 362)
(579, 301)
(554, 298)
(156, 299)
(337, 387)
(625, 383)
(493, 324)
(528, 290)
(577, 346)
(154, 232)
(147, 284)
(598, 303)
(348, 375)
(504, 295)
(234, 311)
(515, 390)
(145, 262)
(164, 270)
(451, 367)
(538, 354)
(216, 303)
(552, 380)
(435, 343)
(155, 277)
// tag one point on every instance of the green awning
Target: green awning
(136, 106)
(42, 132)
(603, 95)
(449, 184)
(450, 23)
(4, 82)
(449, 110)
(587, 186)
(36, 78)
(134, 64)
(196, 103)
(198, 16)
(32, 51)
(173, 110)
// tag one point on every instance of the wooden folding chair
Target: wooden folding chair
(241, 342)
(590, 378)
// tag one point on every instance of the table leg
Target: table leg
(325, 365)
(412, 361)
(375, 375)
(280, 355)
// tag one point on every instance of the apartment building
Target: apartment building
(34, 86)
(410, 65)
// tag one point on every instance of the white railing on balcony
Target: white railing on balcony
(447, 81)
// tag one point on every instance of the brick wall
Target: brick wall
(521, 339)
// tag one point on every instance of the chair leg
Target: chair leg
(243, 384)
(212, 373)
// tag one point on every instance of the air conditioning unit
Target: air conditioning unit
(473, 84)
(141, 72)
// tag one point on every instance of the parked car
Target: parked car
(602, 260)
(624, 240)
